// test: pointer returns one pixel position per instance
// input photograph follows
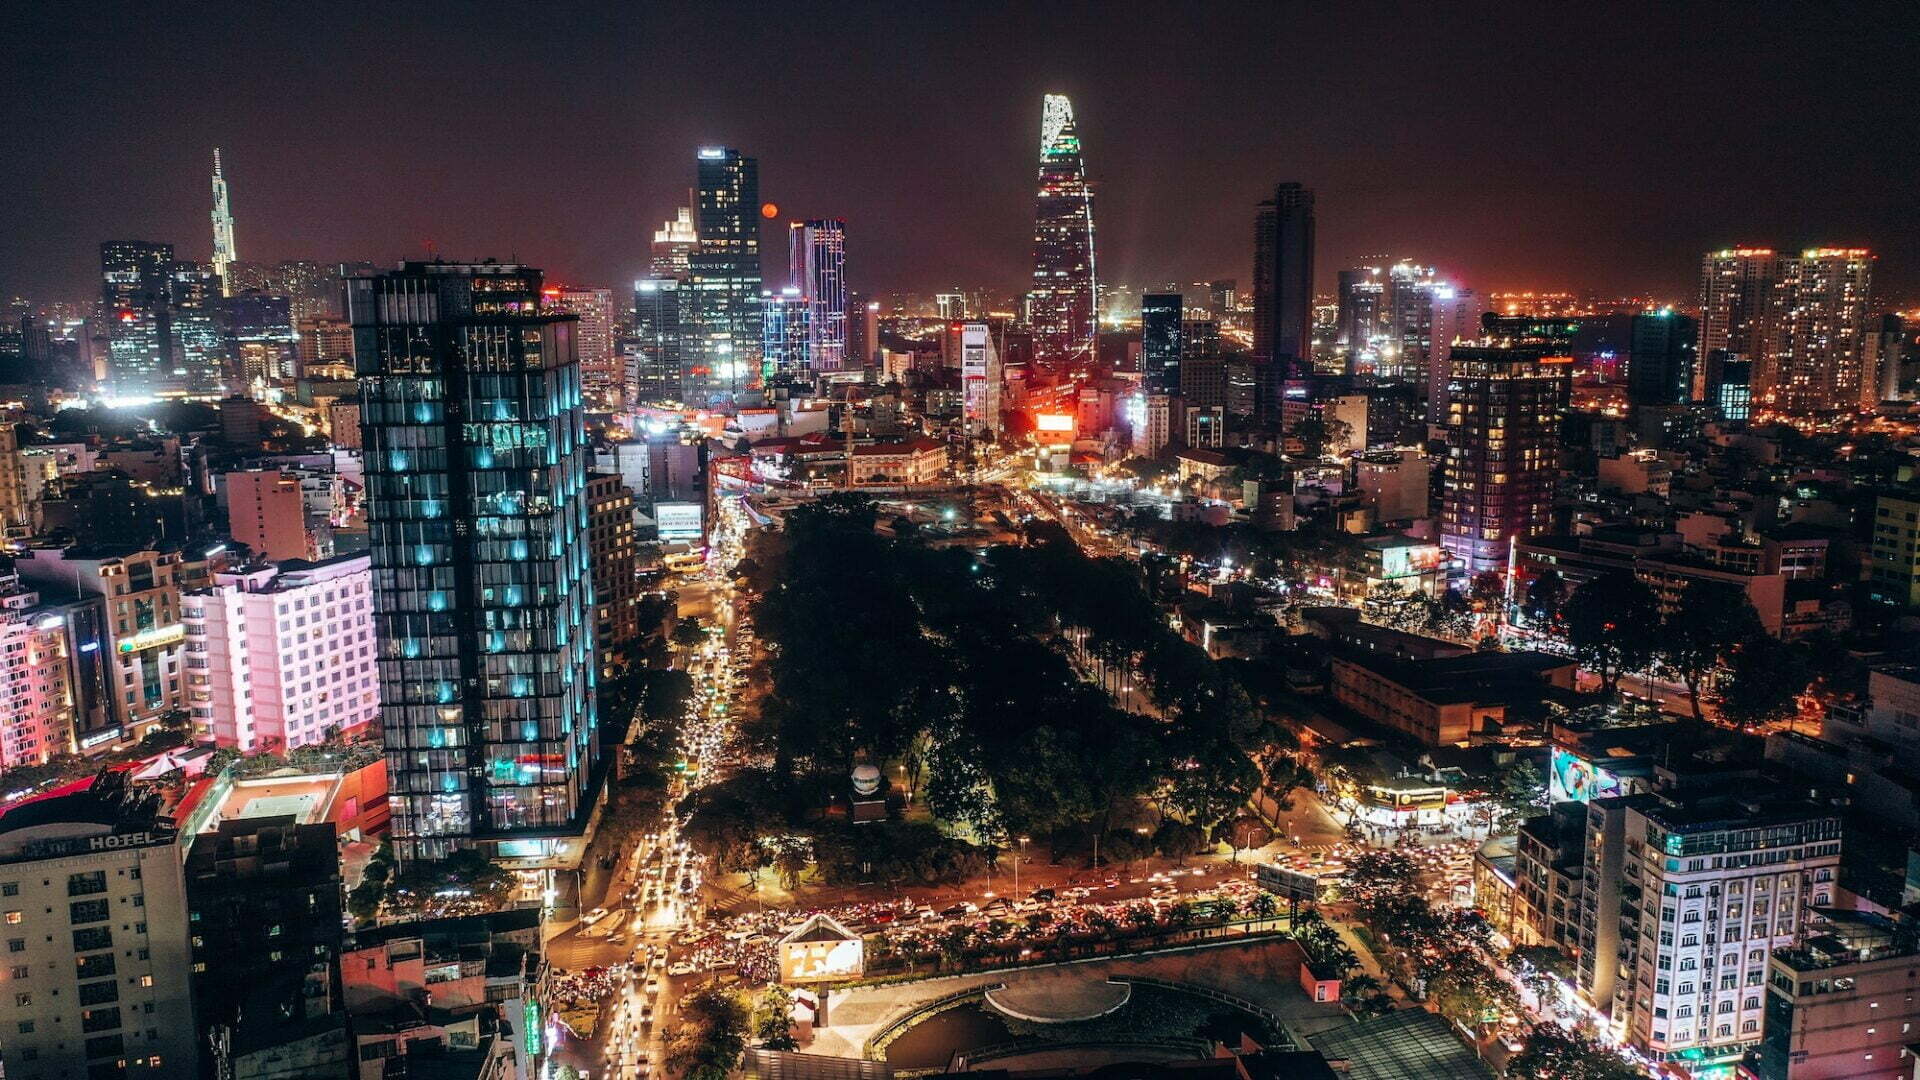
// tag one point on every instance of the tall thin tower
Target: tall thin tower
(223, 249)
(1065, 298)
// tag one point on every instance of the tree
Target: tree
(1177, 841)
(711, 1035)
(1365, 995)
(1283, 774)
(1520, 792)
(1246, 832)
(773, 1019)
(1763, 682)
(1611, 622)
(688, 633)
(1554, 1053)
(1709, 619)
(1545, 596)
(1487, 590)
(1327, 952)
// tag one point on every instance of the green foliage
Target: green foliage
(1710, 619)
(1554, 1053)
(1327, 952)
(772, 1019)
(710, 1036)
(1612, 623)
(1764, 679)
(894, 853)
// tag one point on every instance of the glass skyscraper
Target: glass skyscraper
(817, 263)
(1160, 348)
(476, 460)
(721, 294)
(786, 347)
(136, 289)
(1065, 299)
(1283, 276)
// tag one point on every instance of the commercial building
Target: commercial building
(1661, 361)
(593, 337)
(264, 905)
(142, 632)
(1283, 245)
(920, 463)
(1446, 701)
(266, 512)
(720, 294)
(1894, 574)
(616, 588)
(476, 459)
(786, 320)
(1503, 447)
(654, 368)
(1841, 1006)
(982, 379)
(674, 243)
(1399, 483)
(1161, 347)
(817, 265)
(1065, 299)
(282, 655)
(98, 954)
(37, 692)
(136, 291)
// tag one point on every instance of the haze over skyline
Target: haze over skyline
(1477, 143)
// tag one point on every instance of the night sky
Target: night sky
(1595, 146)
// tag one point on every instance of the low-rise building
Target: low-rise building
(920, 463)
(1842, 1006)
(1446, 701)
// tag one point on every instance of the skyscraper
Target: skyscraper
(981, 375)
(1503, 441)
(1065, 298)
(594, 335)
(817, 265)
(1407, 318)
(1456, 318)
(1820, 365)
(655, 372)
(674, 243)
(1660, 358)
(721, 320)
(473, 427)
(786, 346)
(224, 253)
(1283, 276)
(1737, 287)
(1160, 346)
(1358, 303)
(136, 290)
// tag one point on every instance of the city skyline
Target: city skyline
(1562, 193)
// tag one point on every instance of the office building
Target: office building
(1283, 248)
(1729, 386)
(817, 265)
(136, 290)
(322, 341)
(616, 586)
(1711, 886)
(1160, 341)
(594, 336)
(282, 655)
(655, 372)
(224, 251)
(1149, 423)
(1205, 426)
(786, 334)
(263, 900)
(1504, 404)
(475, 453)
(720, 293)
(97, 934)
(1203, 381)
(1407, 322)
(142, 630)
(981, 379)
(1359, 299)
(863, 332)
(1660, 358)
(265, 511)
(1065, 299)
(674, 243)
(200, 348)
(1894, 566)
(1456, 321)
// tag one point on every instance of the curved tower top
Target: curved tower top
(1063, 303)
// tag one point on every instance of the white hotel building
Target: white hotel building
(282, 655)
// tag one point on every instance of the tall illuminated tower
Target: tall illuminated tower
(817, 262)
(1066, 292)
(476, 453)
(721, 329)
(1283, 277)
(224, 252)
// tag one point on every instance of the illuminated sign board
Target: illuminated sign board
(153, 638)
(1053, 422)
(678, 520)
(1399, 562)
(821, 950)
(1571, 778)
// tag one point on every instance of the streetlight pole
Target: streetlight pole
(1018, 857)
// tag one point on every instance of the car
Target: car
(596, 913)
(646, 1015)
(653, 987)
(957, 910)
(1043, 895)
(681, 968)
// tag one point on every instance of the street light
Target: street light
(1017, 859)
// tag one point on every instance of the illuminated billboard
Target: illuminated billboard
(1409, 560)
(1053, 422)
(678, 520)
(1571, 778)
(821, 950)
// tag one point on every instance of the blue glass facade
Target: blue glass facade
(476, 460)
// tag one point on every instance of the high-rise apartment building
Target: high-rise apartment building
(1801, 320)
(1894, 566)
(1160, 341)
(266, 512)
(473, 422)
(142, 633)
(616, 588)
(1456, 321)
(1709, 887)
(136, 290)
(1661, 358)
(224, 251)
(1283, 246)
(280, 656)
(1504, 405)
(981, 377)
(593, 334)
(817, 265)
(37, 694)
(1737, 301)
(720, 296)
(98, 949)
(1407, 320)
(655, 372)
(1359, 298)
(1065, 299)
